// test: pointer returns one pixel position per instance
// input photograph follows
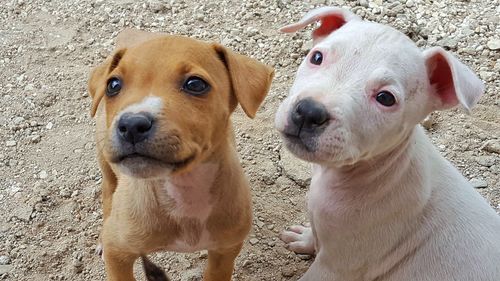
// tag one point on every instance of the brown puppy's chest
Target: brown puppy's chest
(175, 210)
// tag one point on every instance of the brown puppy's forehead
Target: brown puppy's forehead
(159, 67)
(171, 55)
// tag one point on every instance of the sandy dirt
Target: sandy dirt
(50, 213)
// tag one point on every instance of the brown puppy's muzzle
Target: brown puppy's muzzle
(140, 146)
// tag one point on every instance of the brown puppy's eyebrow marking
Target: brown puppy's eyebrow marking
(116, 59)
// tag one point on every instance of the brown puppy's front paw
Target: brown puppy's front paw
(299, 239)
(99, 250)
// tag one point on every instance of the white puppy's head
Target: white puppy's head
(363, 87)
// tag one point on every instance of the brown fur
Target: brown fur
(137, 211)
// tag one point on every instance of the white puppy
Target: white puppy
(383, 203)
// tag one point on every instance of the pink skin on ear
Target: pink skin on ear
(452, 81)
(442, 81)
(331, 18)
(328, 25)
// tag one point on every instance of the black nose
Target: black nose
(135, 127)
(309, 114)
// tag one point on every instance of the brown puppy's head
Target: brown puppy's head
(166, 100)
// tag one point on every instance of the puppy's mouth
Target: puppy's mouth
(300, 142)
(140, 158)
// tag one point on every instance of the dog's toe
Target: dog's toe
(99, 250)
(299, 239)
(289, 236)
(301, 247)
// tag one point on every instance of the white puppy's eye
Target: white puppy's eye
(385, 98)
(316, 58)
(114, 86)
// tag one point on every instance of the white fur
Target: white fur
(191, 198)
(384, 204)
(191, 192)
(151, 104)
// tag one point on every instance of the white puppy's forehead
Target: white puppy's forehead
(363, 46)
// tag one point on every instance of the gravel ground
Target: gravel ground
(50, 185)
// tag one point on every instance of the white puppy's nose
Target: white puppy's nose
(309, 115)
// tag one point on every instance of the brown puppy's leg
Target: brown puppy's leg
(108, 187)
(119, 265)
(221, 264)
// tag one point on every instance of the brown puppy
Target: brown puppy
(171, 177)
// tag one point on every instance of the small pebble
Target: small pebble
(428, 122)
(35, 138)
(10, 143)
(478, 183)
(43, 174)
(492, 146)
(288, 271)
(259, 224)
(486, 161)
(493, 44)
(17, 120)
(4, 260)
(304, 257)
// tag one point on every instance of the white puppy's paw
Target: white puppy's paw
(299, 239)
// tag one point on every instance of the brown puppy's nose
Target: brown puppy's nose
(309, 114)
(135, 127)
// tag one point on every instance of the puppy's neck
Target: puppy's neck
(200, 175)
(394, 171)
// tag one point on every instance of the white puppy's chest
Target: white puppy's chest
(322, 200)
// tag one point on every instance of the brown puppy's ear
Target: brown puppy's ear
(97, 81)
(250, 79)
(130, 37)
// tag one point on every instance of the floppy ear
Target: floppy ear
(125, 39)
(97, 78)
(331, 18)
(130, 37)
(452, 81)
(250, 79)
(96, 86)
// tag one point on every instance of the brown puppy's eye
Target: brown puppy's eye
(316, 58)
(195, 86)
(385, 98)
(114, 86)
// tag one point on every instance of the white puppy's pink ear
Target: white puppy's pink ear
(452, 81)
(331, 18)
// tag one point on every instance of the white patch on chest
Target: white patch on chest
(192, 199)
(191, 192)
